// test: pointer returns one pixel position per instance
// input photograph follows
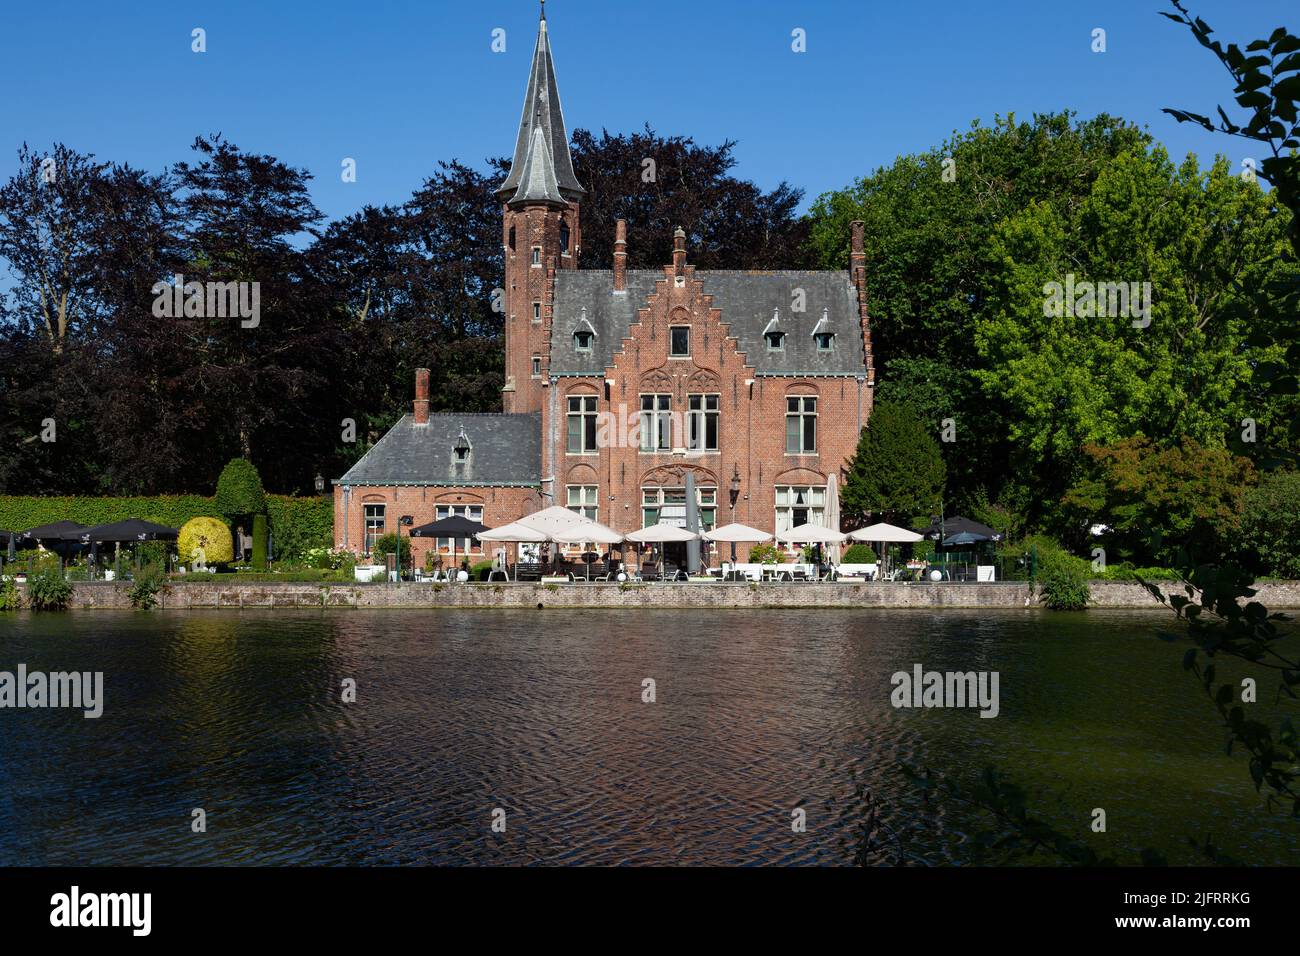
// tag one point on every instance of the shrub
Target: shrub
(859, 554)
(384, 546)
(10, 598)
(239, 490)
(144, 589)
(480, 570)
(47, 589)
(259, 542)
(209, 534)
(766, 554)
(1271, 525)
(296, 524)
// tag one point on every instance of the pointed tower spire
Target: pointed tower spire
(542, 145)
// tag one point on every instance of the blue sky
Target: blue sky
(400, 85)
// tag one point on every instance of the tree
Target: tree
(1168, 353)
(658, 183)
(897, 470)
(930, 222)
(1159, 500)
(1270, 533)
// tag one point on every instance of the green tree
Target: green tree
(1177, 362)
(1270, 530)
(1158, 500)
(897, 470)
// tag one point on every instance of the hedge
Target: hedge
(297, 524)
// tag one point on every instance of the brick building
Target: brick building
(619, 383)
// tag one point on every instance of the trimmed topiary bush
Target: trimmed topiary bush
(259, 542)
(859, 554)
(205, 541)
(239, 490)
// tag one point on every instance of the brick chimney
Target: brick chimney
(857, 257)
(620, 256)
(679, 250)
(421, 396)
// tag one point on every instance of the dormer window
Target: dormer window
(582, 340)
(822, 334)
(775, 340)
(460, 452)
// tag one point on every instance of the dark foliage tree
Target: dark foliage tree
(897, 472)
(658, 183)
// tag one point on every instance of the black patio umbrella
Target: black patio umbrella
(454, 526)
(53, 536)
(131, 529)
(958, 525)
(964, 537)
(54, 531)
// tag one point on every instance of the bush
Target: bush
(239, 490)
(859, 554)
(299, 525)
(259, 542)
(47, 590)
(10, 598)
(144, 589)
(384, 546)
(766, 554)
(480, 570)
(209, 534)
(1271, 525)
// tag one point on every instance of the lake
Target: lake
(540, 714)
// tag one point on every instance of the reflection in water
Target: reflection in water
(540, 713)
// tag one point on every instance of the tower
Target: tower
(540, 230)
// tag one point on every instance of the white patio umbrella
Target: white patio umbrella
(737, 533)
(885, 534)
(515, 533)
(833, 516)
(659, 533)
(587, 530)
(810, 534)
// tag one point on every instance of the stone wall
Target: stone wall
(1106, 594)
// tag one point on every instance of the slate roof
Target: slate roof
(505, 450)
(541, 156)
(748, 301)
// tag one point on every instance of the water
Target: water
(540, 713)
